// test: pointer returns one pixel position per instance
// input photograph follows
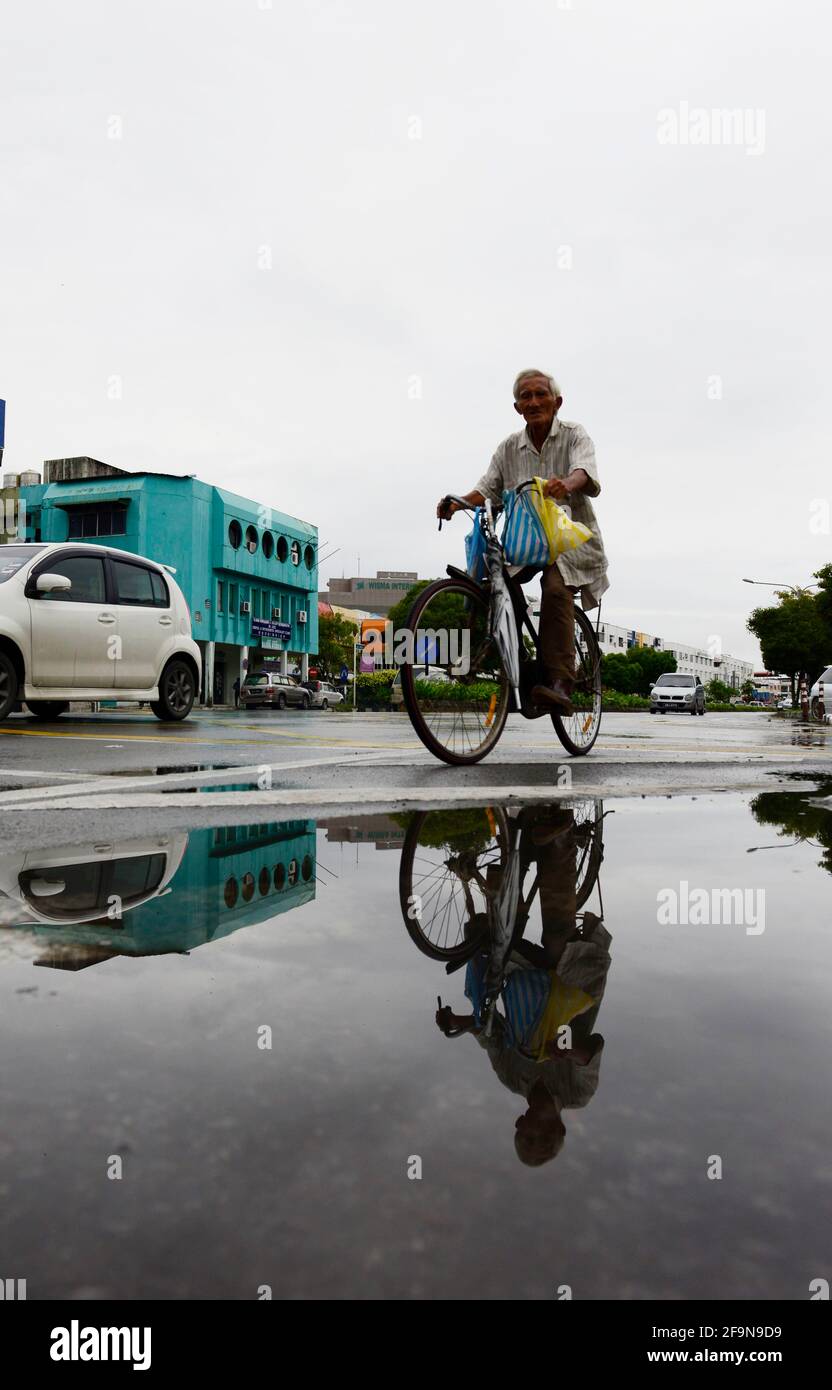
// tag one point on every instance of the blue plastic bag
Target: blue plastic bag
(475, 545)
(524, 538)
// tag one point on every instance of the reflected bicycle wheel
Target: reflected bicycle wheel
(458, 694)
(452, 863)
(578, 731)
(589, 834)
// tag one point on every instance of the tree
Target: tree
(336, 636)
(635, 671)
(400, 611)
(747, 690)
(792, 636)
(718, 691)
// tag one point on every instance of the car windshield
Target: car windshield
(13, 557)
(676, 680)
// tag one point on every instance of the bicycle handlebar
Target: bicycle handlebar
(451, 497)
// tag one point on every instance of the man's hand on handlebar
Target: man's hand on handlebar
(445, 508)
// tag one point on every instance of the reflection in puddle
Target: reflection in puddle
(88, 903)
(466, 988)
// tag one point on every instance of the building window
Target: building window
(96, 521)
(220, 596)
(268, 544)
(309, 557)
(232, 599)
(282, 549)
(235, 535)
(251, 540)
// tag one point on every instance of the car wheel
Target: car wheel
(8, 685)
(304, 704)
(324, 704)
(177, 692)
(47, 709)
(281, 702)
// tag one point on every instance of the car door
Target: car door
(145, 622)
(72, 631)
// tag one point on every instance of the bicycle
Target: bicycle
(461, 718)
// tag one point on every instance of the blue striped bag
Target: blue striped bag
(475, 549)
(524, 538)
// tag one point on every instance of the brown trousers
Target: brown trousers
(557, 627)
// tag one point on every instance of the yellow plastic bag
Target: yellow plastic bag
(562, 532)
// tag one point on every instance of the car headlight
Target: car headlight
(689, 695)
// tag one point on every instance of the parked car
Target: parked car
(87, 622)
(425, 673)
(269, 690)
(785, 703)
(825, 680)
(676, 691)
(323, 694)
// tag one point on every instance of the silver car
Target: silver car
(677, 691)
(270, 690)
(323, 695)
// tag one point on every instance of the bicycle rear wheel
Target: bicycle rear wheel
(451, 862)
(579, 730)
(458, 694)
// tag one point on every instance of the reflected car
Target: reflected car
(269, 690)
(425, 673)
(677, 691)
(74, 884)
(89, 622)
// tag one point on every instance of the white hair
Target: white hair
(533, 371)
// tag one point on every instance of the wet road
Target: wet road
(280, 1107)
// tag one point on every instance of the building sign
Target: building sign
(268, 632)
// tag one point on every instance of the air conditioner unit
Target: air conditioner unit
(301, 615)
(275, 615)
(245, 606)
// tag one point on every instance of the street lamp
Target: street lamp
(792, 588)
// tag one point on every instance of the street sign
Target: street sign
(344, 674)
(262, 627)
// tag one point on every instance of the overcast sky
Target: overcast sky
(303, 250)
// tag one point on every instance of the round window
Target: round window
(248, 887)
(235, 534)
(230, 892)
(279, 876)
(309, 557)
(295, 552)
(282, 549)
(264, 882)
(306, 868)
(251, 539)
(268, 544)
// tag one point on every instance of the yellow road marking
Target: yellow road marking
(210, 742)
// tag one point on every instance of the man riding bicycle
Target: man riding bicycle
(563, 454)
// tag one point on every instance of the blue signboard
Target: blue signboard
(345, 675)
(262, 627)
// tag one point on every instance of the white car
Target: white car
(677, 691)
(87, 622)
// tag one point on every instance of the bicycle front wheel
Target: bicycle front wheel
(455, 688)
(578, 731)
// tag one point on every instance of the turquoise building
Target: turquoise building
(249, 572)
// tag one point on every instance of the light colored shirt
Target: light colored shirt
(566, 447)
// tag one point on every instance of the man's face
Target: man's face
(535, 401)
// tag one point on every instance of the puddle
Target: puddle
(450, 1054)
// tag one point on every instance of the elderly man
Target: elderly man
(562, 453)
